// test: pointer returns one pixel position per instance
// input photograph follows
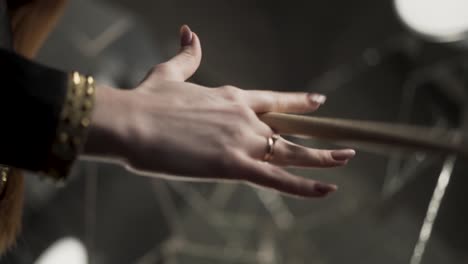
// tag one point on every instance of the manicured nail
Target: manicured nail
(325, 188)
(343, 154)
(317, 98)
(186, 36)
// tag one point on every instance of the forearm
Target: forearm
(33, 97)
(46, 115)
(37, 107)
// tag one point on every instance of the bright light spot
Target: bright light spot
(441, 20)
(66, 250)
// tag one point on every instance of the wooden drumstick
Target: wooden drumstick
(393, 135)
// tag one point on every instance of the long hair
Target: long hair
(31, 23)
(11, 207)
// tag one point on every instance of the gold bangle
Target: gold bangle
(72, 128)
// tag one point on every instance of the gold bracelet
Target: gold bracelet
(72, 128)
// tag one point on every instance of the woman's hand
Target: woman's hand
(169, 126)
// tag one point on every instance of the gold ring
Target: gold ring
(270, 147)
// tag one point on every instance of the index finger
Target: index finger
(284, 102)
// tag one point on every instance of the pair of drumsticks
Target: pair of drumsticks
(362, 133)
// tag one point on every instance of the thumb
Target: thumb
(186, 62)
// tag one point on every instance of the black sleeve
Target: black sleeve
(31, 100)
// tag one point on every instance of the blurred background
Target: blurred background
(375, 60)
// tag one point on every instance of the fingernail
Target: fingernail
(325, 188)
(317, 98)
(186, 36)
(343, 154)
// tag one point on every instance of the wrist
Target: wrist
(110, 127)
